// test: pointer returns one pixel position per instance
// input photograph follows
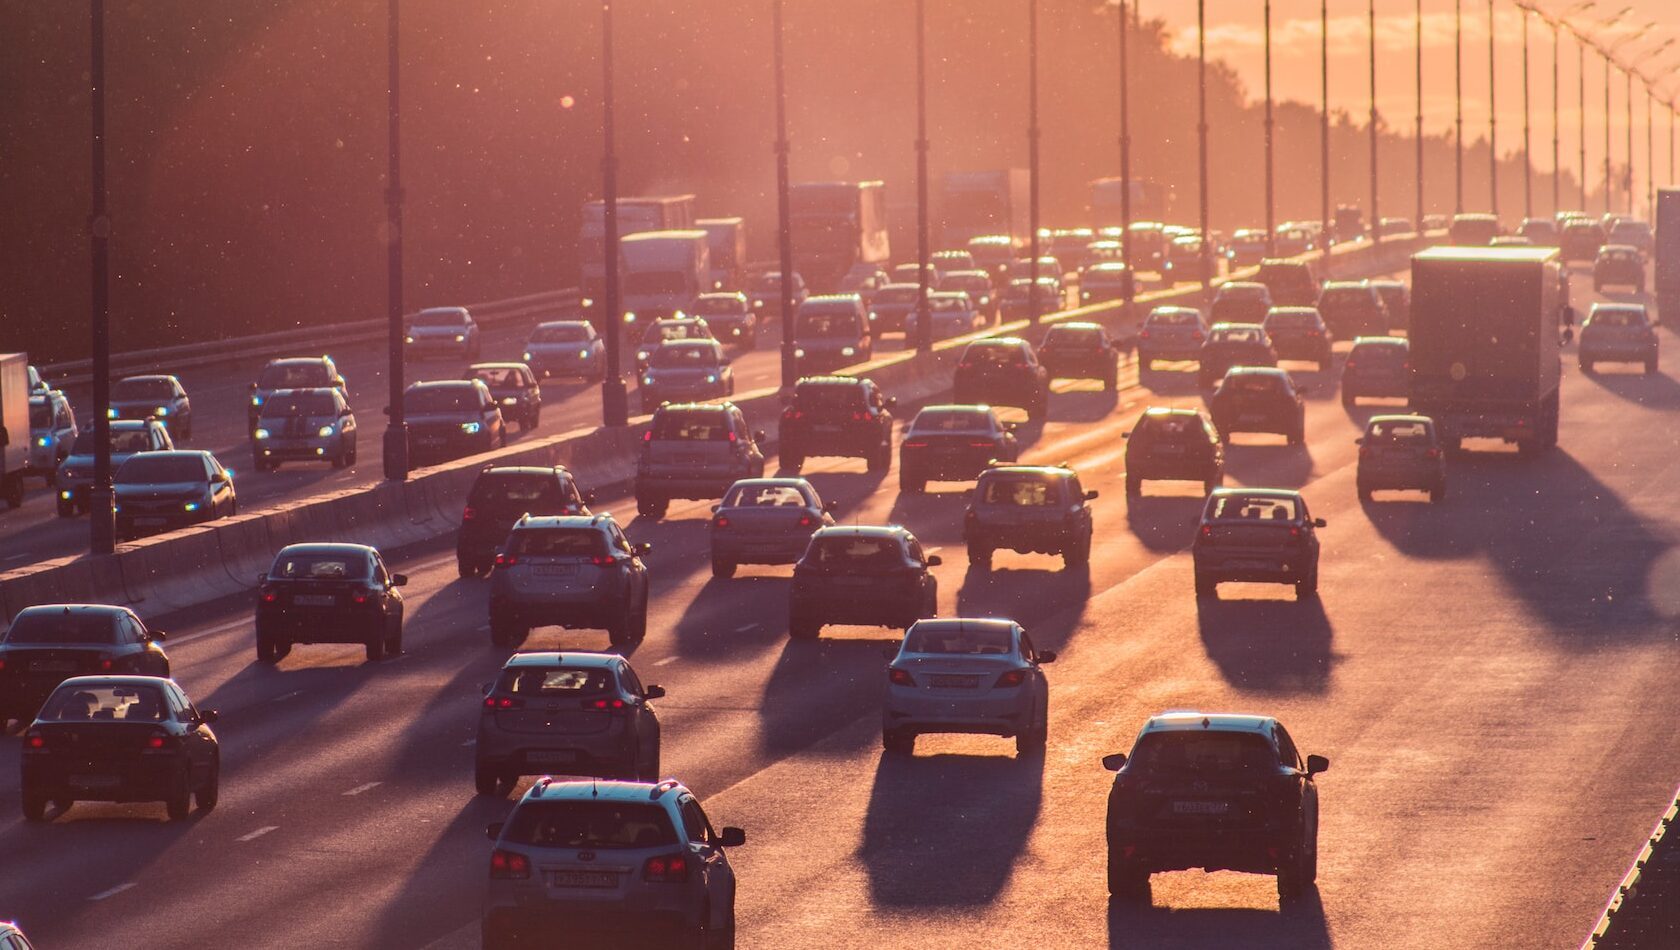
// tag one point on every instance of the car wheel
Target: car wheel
(722, 569)
(1651, 366)
(34, 805)
(1033, 741)
(909, 484)
(393, 643)
(1348, 399)
(376, 649)
(1364, 494)
(898, 741)
(652, 508)
(979, 557)
(340, 461)
(804, 628)
(1111, 382)
(66, 509)
(1079, 555)
(881, 461)
(268, 651)
(1586, 366)
(179, 802)
(464, 567)
(211, 791)
(1134, 485)
(1127, 882)
(792, 461)
(1438, 493)
(1206, 586)
(618, 632)
(350, 456)
(1307, 588)
(485, 779)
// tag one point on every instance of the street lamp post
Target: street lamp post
(924, 322)
(1271, 193)
(1528, 156)
(1418, 135)
(1581, 111)
(1376, 217)
(1130, 286)
(784, 225)
(1609, 188)
(396, 427)
(1627, 179)
(1324, 131)
(1458, 105)
(1493, 121)
(615, 400)
(102, 529)
(1202, 145)
(1032, 159)
(1557, 167)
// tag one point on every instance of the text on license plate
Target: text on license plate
(94, 781)
(53, 666)
(1201, 808)
(955, 681)
(314, 600)
(557, 570)
(583, 878)
(563, 757)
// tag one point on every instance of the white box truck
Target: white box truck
(635, 215)
(14, 426)
(727, 242)
(663, 272)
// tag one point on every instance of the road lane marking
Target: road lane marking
(669, 659)
(259, 833)
(365, 786)
(469, 742)
(295, 692)
(741, 629)
(113, 892)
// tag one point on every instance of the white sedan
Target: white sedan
(975, 676)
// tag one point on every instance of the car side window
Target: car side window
(380, 576)
(1027, 648)
(619, 542)
(915, 552)
(694, 822)
(1287, 753)
(628, 679)
(129, 630)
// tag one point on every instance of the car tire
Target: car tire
(722, 569)
(1134, 485)
(804, 628)
(898, 741)
(350, 456)
(979, 558)
(376, 649)
(464, 567)
(394, 639)
(1111, 382)
(1348, 399)
(881, 461)
(1438, 494)
(66, 509)
(909, 484)
(792, 461)
(211, 791)
(1364, 494)
(34, 805)
(1651, 366)
(1297, 435)
(339, 461)
(1033, 741)
(1127, 882)
(1077, 556)
(652, 508)
(1206, 586)
(485, 779)
(179, 802)
(1586, 366)
(1307, 587)
(268, 650)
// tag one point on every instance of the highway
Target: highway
(1491, 679)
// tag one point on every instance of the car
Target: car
(328, 593)
(442, 331)
(1397, 300)
(686, 371)
(1618, 332)
(1185, 261)
(571, 571)
(293, 372)
(1377, 367)
(1029, 509)
(944, 262)
(891, 307)
(1299, 333)
(1002, 371)
(451, 418)
(1436, 222)
(567, 348)
(159, 397)
(1539, 231)
(1259, 399)
(1632, 233)
(1080, 350)
(499, 497)
(730, 317)
(1248, 247)
(1291, 283)
(1393, 227)
(1352, 308)
(1256, 534)
(304, 425)
(1292, 238)
(831, 331)
(1233, 344)
(1176, 444)
(1106, 250)
(515, 388)
(577, 712)
(1148, 240)
(49, 643)
(1068, 245)
(966, 675)
(1510, 240)
(1473, 230)
(1581, 241)
(608, 862)
(1170, 333)
(953, 442)
(865, 280)
(694, 450)
(1220, 792)
(1619, 265)
(870, 575)
(120, 739)
(1048, 266)
(907, 274)
(669, 330)
(1015, 301)
(765, 521)
(1105, 281)
(993, 253)
(765, 292)
(953, 314)
(837, 416)
(10, 931)
(171, 489)
(977, 284)
(52, 433)
(128, 437)
(1401, 452)
(1241, 301)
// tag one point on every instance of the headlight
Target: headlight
(641, 354)
(43, 441)
(161, 410)
(527, 357)
(799, 353)
(629, 317)
(460, 338)
(873, 315)
(647, 380)
(110, 413)
(262, 433)
(408, 339)
(758, 304)
(587, 302)
(470, 428)
(257, 400)
(583, 354)
(711, 377)
(190, 506)
(325, 431)
(510, 401)
(848, 351)
(66, 495)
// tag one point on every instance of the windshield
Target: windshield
(557, 542)
(897, 295)
(994, 354)
(124, 441)
(320, 567)
(1167, 426)
(943, 304)
(1616, 317)
(1073, 338)
(1349, 298)
(977, 284)
(678, 356)
(1253, 383)
(58, 626)
(831, 324)
(84, 703)
(293, 376)
(769, 283)
(299, 404)
(594, 824)
(766, 496)
(952, 420)
(441, 399)
(1378, 352)
(561, 333)
(156, 468)
(665, 331)
(716, 305)
(1173, 318)
(141, 390)
(692, 426)
(1238, 335)
(1294, 319)
(855, 553)
(1255, 508)
(1202, 751)
(989, 639)
(438, 318)
(40, 415)
(558, 682)
(534, 493)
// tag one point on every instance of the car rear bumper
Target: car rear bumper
(959, 466)
(1256, 566)
(1254, 850)
(320, 625)
(600, 753)
(910, 708)
(761, 549)
(1612, 352)
(849, 607)
(1400, 476)
(685, 486)
(1026, 539)
(610, 922)
(131, 778)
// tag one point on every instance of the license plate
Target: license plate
(825, 428)
(1201, 808)
(314, 600)
(1254, 565)
(551, 758)
(150, 522)
(955, 681)
(583, 879)
(430, 440)
(94, 781)
(53, 666)
(556, 570)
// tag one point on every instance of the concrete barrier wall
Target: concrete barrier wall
(194, 565)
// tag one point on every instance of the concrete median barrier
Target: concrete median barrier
(66, 580)
(176, 570)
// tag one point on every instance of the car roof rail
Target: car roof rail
(542, 785)
(661, 788)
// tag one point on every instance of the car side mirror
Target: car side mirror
(892, 402)
(1125, 435)
(731, 838)
(1317, 764)
(758, 435)
(1044, 656)
(1568, 336)
(1011, 426)
(589, 498)
(934, 560)
(493, 831)
(1091, 495)
(1359, 441)
(653, 692)
(253, 387)
(1318, 522)
(830, 507)
(641, 548)
(219, 478)
(208, 716)
(1113, 761)
(156, 635)
(345, 413)
(399, 580)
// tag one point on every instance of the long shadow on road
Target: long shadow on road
(1274, 646)
(1164, 523)
(1298, 926)
(818, 687)
(1047, 603)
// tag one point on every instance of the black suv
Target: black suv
(1351, 308)
(869, 575)
(1002, 371)
(1081, 351)
(1377, 367)
(1259, 399)
(1258, 535)
(1219, 792)
(1233, 344)
(1173, 444)
(837, 415)
(499, 497)
(1292, 283)
(328, 593)
(49, 643)
(1581, 241)
(1299, 333)
(1037, 509)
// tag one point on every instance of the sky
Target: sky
(1234, 35)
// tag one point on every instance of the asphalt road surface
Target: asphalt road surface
(1491, 678)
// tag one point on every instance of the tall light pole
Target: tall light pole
(1493, 121)
(1458, 105)
(1556, 23)
(784, 224)
(615, 400)
(1324, 131)
(1032, 158)
(1376, 217)
(1206, 251)
(1271, 193)
(1130, 286)
(1528, 156)
(924, 322)
(1581, 111)
(396, 428)
(1418, 135)
(1650, 151)
(102, 529)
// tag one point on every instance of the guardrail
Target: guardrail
(170, 359)
(1644, 912)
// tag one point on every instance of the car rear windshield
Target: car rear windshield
(720, 305)
(500, 377)
(293, 376)
(1617, 318)
(1202, 751)
(1253, 383)
(441, 399)
(561, 333)
(554, 681)
(1255, 508)
(40, 415)
(320, 567)
(975, 284)
(984, 640)
(828, 396)
(692, 426)
(159, 389)
(149, 468)
(557, 542)
(1238, 335)
(1244, 292)
(596, 825)
(299, 404)
(1294, 319)
(943, 304)
(897, 294)
(951, 420)
(769, 283)
(1022, 491)
(997, 354)
(832, 323)
(765, 496)
(439, 318)
(1171, 427)
(124, 441)
(674, 356)
(1074, 338)
(62, 627)
(1350, 298)
(534, 493)
(1379, 352)
(855, 553)
(1384, 430)
(1172, 318)
(105, 703)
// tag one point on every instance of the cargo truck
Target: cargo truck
(726, 241)
(1485, 343)
(1149, 201)
(635, 215)
(663, 272)
(1668, 253)
(976, 203)
(14, 426)
(837, 225)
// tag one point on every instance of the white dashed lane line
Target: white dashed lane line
(365, 786)
(259, 833)
(113, 892)
(669, 659)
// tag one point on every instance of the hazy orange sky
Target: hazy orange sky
(1234, 35)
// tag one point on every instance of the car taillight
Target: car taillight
(914, 445)
(720, 522)
(666, 869)
(1196, 335)
(1011, 678)
(502, 702)
(965, 364)
(360, 597)
(34, 740)
(1143, 334)
(158, 742)
(603, 560)
(106, 663)
(1432, 453)
(1364, 451)
(980, 444)
(509, 865)
(469, 513)
(1294, 532)
(860, 417)
(806, 521)
(1350, 364)
(2, 665)
(794, 414)
(1406, 365)
(606, 704)
(1207, 531)
(647, 436)
(1314, 333)
(899, 677)
(506, 560)
(269, 597)
(733, 437)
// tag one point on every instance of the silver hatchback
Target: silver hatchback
(765, 521)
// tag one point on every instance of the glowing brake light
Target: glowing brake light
(733, 437)
(501, 702)
(666, 869)
(1207, 531)
(899, 677)
(509, 865)
(647, 436)
(506, 560)
(269, 597)
(35, 741)
(1011, 678)
(469, 513)
(1432, 454)
(1294, 532)
(606, 704)
(720, 522)
(805, 521)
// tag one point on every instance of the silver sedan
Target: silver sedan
(765, 521)
(967, 675)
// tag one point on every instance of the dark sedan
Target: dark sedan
(953, 443)
(449, 418)
(1081, 351)
(1233, 344)
(49, 643)
(1256, 534)
(165, 490)
(1258, 399)
(872, 576)
(328, 593)
(1002, 371)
